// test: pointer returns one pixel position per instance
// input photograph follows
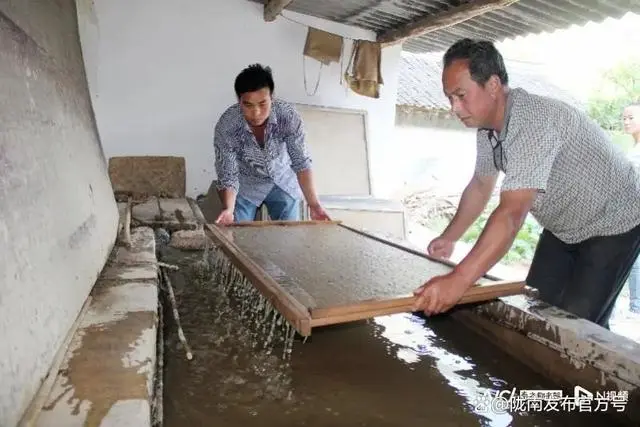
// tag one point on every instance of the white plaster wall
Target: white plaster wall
(161, 74)
(58, 216)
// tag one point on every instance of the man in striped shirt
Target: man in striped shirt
(261, 155)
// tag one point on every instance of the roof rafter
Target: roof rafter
(429, 23)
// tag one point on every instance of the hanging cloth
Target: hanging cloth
(366, 76)
(322, 46)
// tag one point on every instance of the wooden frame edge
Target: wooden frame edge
(404, 303)
(290, 308)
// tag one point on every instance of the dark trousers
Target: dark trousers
(584, 278)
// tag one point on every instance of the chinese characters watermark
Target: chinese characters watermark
(582, 400)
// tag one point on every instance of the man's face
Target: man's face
(256, 106)
(631, 119)
(472, 103)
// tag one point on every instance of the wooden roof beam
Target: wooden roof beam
(448, 18)
(273, 8)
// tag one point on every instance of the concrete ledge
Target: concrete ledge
(106, 377)
(171, 214)
(570, 350)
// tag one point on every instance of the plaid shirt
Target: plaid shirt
(586, 186)
(252, 171)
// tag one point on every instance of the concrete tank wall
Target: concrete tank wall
(58, 217)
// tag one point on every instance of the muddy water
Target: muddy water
(390, 371)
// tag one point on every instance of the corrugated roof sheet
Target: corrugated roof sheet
(420, 77)
(521, 18)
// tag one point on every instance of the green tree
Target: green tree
(619, 86)
(524, 244)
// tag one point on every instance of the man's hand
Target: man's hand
(225, 217)
(440, 293)
(441, 247)
(318, 213)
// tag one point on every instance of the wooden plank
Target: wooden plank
(355, 316)
(448, 18)
(269, 223)
(295, 313)
(404, 303)
(273, 8)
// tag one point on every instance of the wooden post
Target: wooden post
(430, 23)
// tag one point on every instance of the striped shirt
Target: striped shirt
(252, 171)
(586, 185)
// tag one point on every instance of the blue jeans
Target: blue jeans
(634, 287)
(280, 205)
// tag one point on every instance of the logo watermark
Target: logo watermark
(582, 400)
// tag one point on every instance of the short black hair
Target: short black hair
(483, 57)
(253, 78)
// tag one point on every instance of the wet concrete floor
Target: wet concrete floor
(389, 371)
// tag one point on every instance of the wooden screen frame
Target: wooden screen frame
(304, 319)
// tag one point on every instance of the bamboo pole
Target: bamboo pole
(168, 266)
(176, 315)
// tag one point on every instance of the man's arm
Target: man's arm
(477, 193)
(305, 179)
(300, 159)
(227, 170)
(440, 293)
(532, 162)
(227, 197)
(474, 199)
(498, 234)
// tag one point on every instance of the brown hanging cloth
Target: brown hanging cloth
(322, 46)
(366, 75)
